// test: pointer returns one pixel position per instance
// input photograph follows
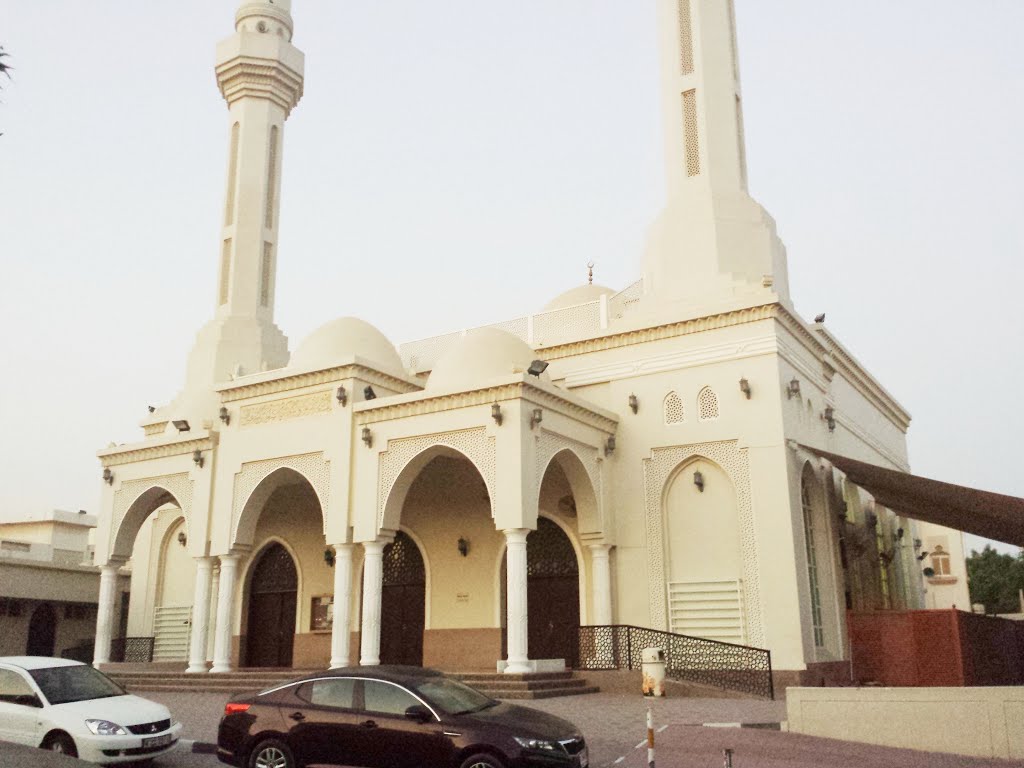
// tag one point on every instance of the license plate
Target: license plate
(157, 741)
(584, 759)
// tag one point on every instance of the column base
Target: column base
(221, 668)
(338, 664)
(197, 668)
(369, 662)
(516, 667)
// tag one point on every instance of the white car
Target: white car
(66, 706)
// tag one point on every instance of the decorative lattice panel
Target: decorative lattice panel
(271, 179)
(690, 133)
(403, 563)
(657, 471)
(178, 485)
(520, 327)
(274, 572)
(549, 551)
(265, 273)
(225, 270)
(311, 466)
(685, 38)
(624, 299)
(569, 323)
(707, 404)
(549, 444)
(474, 444)
(229, 206)
(423, 354)
(674, 413)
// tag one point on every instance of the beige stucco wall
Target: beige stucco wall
(980, 722)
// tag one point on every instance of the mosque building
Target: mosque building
(676, 454)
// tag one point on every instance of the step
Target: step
(546, 694)
(478, 676)
(528, 685)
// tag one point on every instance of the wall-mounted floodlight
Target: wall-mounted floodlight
(368, 392)
(181, 425)
(537, 367)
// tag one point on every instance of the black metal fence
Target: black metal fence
(132, 649)
(695, 659)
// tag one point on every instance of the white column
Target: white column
(602, 584)
(342, 605)
(105, 614)
(211, 632)
(518, 661)
(373, 583)
(225, 612)
(200, 615)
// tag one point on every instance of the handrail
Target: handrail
(728, 666)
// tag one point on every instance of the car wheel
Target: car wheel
(62, 743)
(271, 753)
(482, 760)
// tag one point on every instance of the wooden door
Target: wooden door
(552, 594)
(403, 601)
(270, 632)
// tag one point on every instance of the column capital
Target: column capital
(599, 550)
(516, 535)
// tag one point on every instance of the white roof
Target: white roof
(38, 662)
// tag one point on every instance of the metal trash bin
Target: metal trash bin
(653, 666)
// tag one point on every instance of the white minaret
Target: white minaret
(260, 74)
(712, 242)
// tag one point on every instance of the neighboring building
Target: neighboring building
(48, 585)
(944, 567)
(451, 502)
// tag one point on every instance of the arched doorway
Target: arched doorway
(42, 631)
(402, 603)
(272, 595)
(552, 593)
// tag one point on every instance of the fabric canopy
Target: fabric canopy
(991, 515)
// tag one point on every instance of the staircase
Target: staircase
(533, 685)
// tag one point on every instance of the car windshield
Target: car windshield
(454, 698)
(79, 682)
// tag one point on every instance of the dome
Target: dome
(336, 342)
(478, 359)
(581, 294)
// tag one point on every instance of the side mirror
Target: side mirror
(419, 713)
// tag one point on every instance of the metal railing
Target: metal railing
(728, 666)
(138, 650)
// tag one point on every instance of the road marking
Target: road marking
(662, 728)
(641, 744)
(619, 760)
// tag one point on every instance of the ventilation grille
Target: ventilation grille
(685, 38)
(225, 271)
(741, 142)
(707, 404)
(229, 209)
(171, 626)
(690, 133)
(271, 178)
(674, 413)
(709, 609)
(265, 275)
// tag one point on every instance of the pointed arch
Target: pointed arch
(136, 500)
(585, 491)
(254, 502)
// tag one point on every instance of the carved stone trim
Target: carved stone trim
(284, 383)
(286, 408)
(113, 456)
(178, 485)
(154, 429)
(735, 463)
(473, 443)
(312, 466)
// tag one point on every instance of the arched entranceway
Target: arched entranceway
(272, 602)
(42, 631)
(403, 599)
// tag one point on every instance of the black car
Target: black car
(390, 717)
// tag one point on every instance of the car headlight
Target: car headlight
(535, 743)
(105, 728)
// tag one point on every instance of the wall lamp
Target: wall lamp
(368, 392)
(197, 458)
(329, 557)
(634, 404)
(923, 555)
(108, 476)
(745, 387)
(830, 418)
(536, 417)
(341, 395)
(224, 415)
(367, 437)
(463, 546)
(537, 367)
(182, 538)
(181, 425)
(698, 480)
(793, 389)
(496, 414)
(609, 445)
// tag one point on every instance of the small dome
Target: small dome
(336, 342)
(581, 294)
(478, 359)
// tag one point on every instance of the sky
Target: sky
(458, 162)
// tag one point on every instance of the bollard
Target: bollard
(650, 739)
(728, 758)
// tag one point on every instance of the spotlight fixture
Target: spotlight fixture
(537, 367)
(329, 557)
(496, 414)
(463, 546)
(830, 418)
(819, 318)
(341, 395)
(745, 387)
(368, 392)
(793, 389)
(181, 425)
(151, 408)
(197, 458)
(182, 538)
(698, 480)
(224, 415)
(367, 437)
(108, 476)
(609, 445)
(536, 417)
(634, 404)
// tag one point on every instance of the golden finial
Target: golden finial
(590, 273)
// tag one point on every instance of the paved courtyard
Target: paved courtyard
(614, 725)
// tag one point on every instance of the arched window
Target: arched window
(674, 413)
(707, 404)
(940, 561)
(812, 564)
